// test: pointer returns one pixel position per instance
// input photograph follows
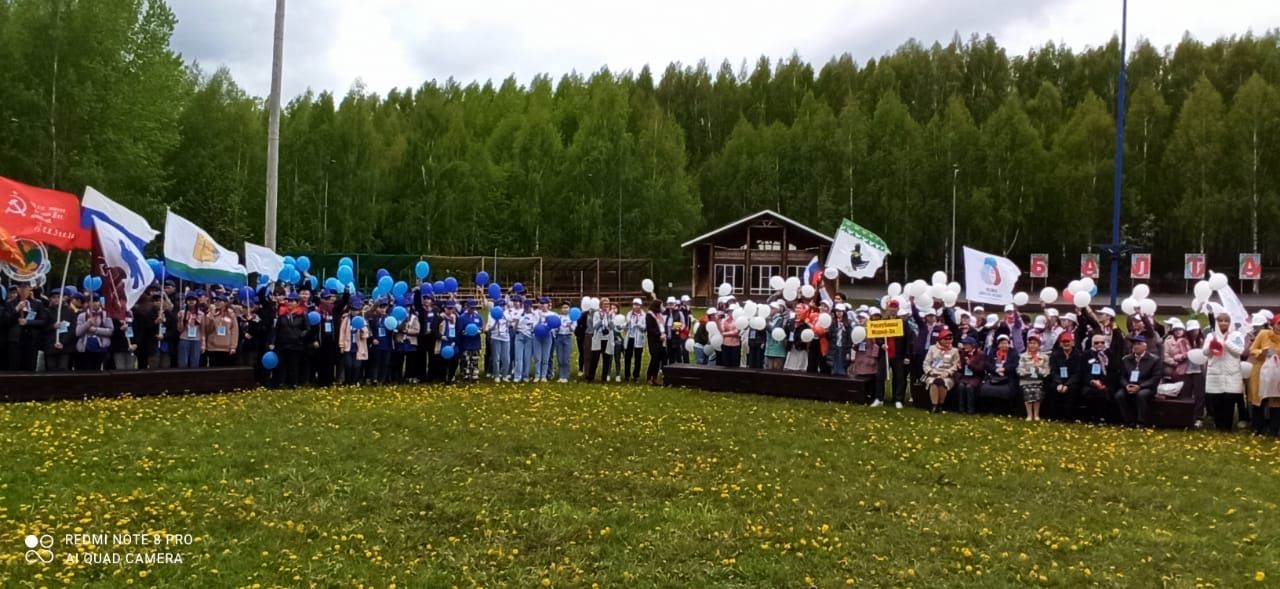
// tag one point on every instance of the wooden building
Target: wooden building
(748, 252)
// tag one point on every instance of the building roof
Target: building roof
(748, 219)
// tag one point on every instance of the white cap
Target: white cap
(637, 302)
(1193, 325)
(1176, 323)
(904, 312)
(991, 320)
(778, 305)
(1107, 311)
(1267, 313)
(1009, 307)
(1039, 323)
(671, 300)
(1051, 312)
(874, 311)
(1002, 337)
(863, 308)
(979, 309)
(842, 307)
(1071, 317)
(684, 298)
(1259, 320)
(712, 311)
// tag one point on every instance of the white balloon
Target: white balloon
(936, 291)
(793, 282)
(713, 328)
(1148, 307)
(895, 289)
(1246, 369)
(924, 302)
(741, 323)
(1202, 290)
(789, 293)
(749, 309)
(1217, 281)
(1197, 357)
(646, 285)
(824, 320)
(726, 289)
(884, 301)
(716, 342)
(807, 291)
(756, 323)
(595, 304)
(689, 345)
(1087, 283)
(762, 311)
(777, 282)
(1073, 287)
(858, 334)
(940, 277)
(586, 304)
(1141, 291)
(738, 313)
(779, 334)
(1082, 299)
(954, 286)
(916, 288)
(806, 336)
(619, 321)
(1129, 306)
(1197, 304)
(1021, 298)
(831, 273)
(1049, 295)
(949, 298)
(904, 303)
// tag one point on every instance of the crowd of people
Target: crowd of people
(1077, 365)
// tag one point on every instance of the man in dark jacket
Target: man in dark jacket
(898, 352)
(1138, 381)
(61, 334)
(290, 342)
(1066, 378)
(24, 322)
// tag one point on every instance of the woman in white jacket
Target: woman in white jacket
(1224, 383)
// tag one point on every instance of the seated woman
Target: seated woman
(940, 366)
(972, 364)
(1001, 371)
(1176, 361)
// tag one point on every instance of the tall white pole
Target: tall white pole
(955, 172)
(273, 128)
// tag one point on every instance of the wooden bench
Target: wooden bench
(53, 386)
(795, 385)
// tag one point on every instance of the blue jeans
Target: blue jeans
(564, 350)
(524, 351)
(188, 353)
(381, 363)
(704, 355)
(501, 358)
(351, 368)
(542, 357)
(836, 357)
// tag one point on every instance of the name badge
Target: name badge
(382, 332)
(968, 371)
(222, 331)
(162, 330)
(128, 332)
(62, 328)
(1062, 372)
(1133, 376)
(31, 315)
(328, 327)
(1096, 370)
(191, 332)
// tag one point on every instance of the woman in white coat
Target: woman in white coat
(1224, 383)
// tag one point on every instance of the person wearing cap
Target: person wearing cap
(969, 376)
(325, 358)
(730, 353)
(1033, 369)
(775, 349)
(429, 318)
(25, 322)
(221, 332)
(636, 340)
(190, 324)
(93, 333)
(524, 320)
(353, 343)
(656, 338)
(1066, 378)
(1195, 372)
(1140, 375)
(1176, 346)
(563, 342)
(404, 354)
(892, 365)
(703, 354)
(1264, 402)
(145, 316)
(500, 333)
(838, 341)
(289, 342)
(469, 345)
(940, 366)
(60, 339)
(1224, 385)
(1000, 375)
(450, 330)
(797, 348)
(380, 343)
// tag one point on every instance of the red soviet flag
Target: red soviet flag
(48, 216)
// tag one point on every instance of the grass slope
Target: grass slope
(579, 485)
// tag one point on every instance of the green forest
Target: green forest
(635, 162)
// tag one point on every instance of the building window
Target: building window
(760, 276)
(797, 271)
(768, 245)
(732, 274)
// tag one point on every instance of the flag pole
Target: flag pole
(65, 269)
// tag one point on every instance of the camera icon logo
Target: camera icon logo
(39, 549)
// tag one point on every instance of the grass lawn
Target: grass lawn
(578, 485)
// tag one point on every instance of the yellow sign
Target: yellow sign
(884, 328)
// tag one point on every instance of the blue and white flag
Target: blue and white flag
(124, 271)
(96, 206)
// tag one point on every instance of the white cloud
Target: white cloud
(388, 43)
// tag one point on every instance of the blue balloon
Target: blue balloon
(346, 274)
(451, 284)
(345, 261)
(575, 314)
(246, 294)
(332, 284)
(496, 313)
(357, 322)
(289, 261)
(383, 272)
(285, 273)
(426, 289)
(303, 263)
(518, 288)
(270, 360)
(541, 330)
(1093, 292)
(495, 291)
(313, 318)
(400, 313)
(390, 323)
(314, 282)
(385, 283)
(447, 352)
(422, 269)
(482, 278)
(399, 288)
(472, 330)
(439, 288)
(553, 321)
(88, 283)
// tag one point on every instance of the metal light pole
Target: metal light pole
(273, 128)
(1117, 249)
(955, 171)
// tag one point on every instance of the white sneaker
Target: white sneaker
(877, 403)
(898, 404)
(563, 380)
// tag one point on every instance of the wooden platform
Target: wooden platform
(44, 386)
(796, 385)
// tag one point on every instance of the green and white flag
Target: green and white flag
(857, 253)
(190, 254)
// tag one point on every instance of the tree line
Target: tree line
(633, 163)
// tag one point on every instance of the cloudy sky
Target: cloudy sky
(329, 44)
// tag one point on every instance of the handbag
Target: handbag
(1169, 389)
(1269, 378)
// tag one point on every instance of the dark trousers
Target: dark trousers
(897, 370)
(221, 359)
(91, 361)
(60, 362)
(449, 367)
(729, 356)
(351, 368)
(1223, 408)
(1065, 406)
(675, 351)
(325, 364)
(755, 356)
(1135, 408)
(594, 359)
(632, 358)
(967, 396)
(21, 356)
(657, 357)
(381, 360)
(290, 369)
